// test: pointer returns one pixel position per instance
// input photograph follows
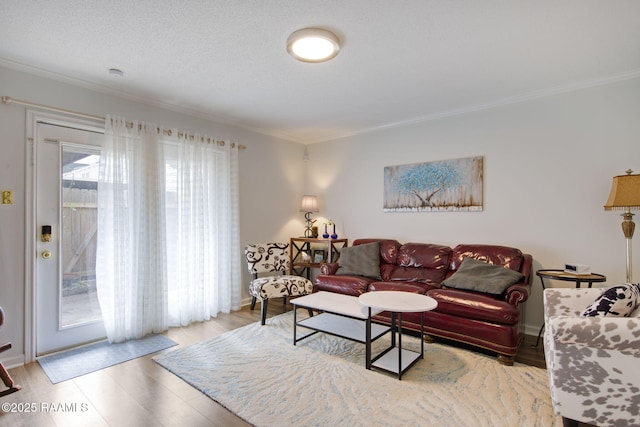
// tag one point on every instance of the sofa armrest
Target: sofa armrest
(569, 302)
(329, 268)
(517, 293)
(607, 333)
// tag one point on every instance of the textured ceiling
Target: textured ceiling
(401, 61)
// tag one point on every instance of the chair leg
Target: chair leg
(8, 381)
(568, 422)
(263, 311)
(253, 303)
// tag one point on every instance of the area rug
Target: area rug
(257, 373)
(83, 360)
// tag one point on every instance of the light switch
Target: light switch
(7, 197)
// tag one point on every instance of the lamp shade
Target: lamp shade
(625, 192)
(309, 204)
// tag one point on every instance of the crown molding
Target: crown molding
(543, 93)
(529, 96)
(97, 87)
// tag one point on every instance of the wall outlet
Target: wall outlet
(7, 197)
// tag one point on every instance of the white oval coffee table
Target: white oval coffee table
(395, 359)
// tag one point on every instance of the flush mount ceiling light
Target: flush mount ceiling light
(313, 45)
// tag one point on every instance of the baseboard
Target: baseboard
(13, 361)
(532, 330)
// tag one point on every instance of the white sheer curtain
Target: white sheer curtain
(130, 273)
(202, 226)
(168, 240)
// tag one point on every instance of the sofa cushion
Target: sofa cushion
(618, 301)
(347, 285)
(396, 286)
(392, 273)
(424, 255)
(388, 249)
(361, 260)
(418, 262)
(480, 276)
(505, 256)
(476, 306)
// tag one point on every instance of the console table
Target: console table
(328, 248)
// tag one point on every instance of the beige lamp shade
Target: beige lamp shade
(625, 193)
(309, 204)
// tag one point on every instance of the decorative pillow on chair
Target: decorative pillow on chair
(480, 276)
(619, 301)
(360, 260)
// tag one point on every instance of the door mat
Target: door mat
(83, 360)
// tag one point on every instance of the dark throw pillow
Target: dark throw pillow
(360, 260)
(481, 276)
(618, 301)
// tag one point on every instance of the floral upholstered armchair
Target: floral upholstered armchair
(272, 259)
(592, 350)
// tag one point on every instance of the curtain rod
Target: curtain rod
(9, 100)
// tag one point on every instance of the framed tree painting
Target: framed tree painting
(447, 185)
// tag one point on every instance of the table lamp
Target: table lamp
(309, 205)
(625, 195)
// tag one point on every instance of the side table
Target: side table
(555, 274)
(328, 249)
(395, 359)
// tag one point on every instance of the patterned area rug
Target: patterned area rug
(83, 360)
(257, 373)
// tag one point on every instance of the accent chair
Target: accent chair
(273, 259)
(593, 362)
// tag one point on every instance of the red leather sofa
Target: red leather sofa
(493, 322)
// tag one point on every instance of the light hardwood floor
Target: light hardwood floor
(136, 393)
(142, 393)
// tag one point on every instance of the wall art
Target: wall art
(447, 185)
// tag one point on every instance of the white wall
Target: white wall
(548, 168)
(271, 179)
